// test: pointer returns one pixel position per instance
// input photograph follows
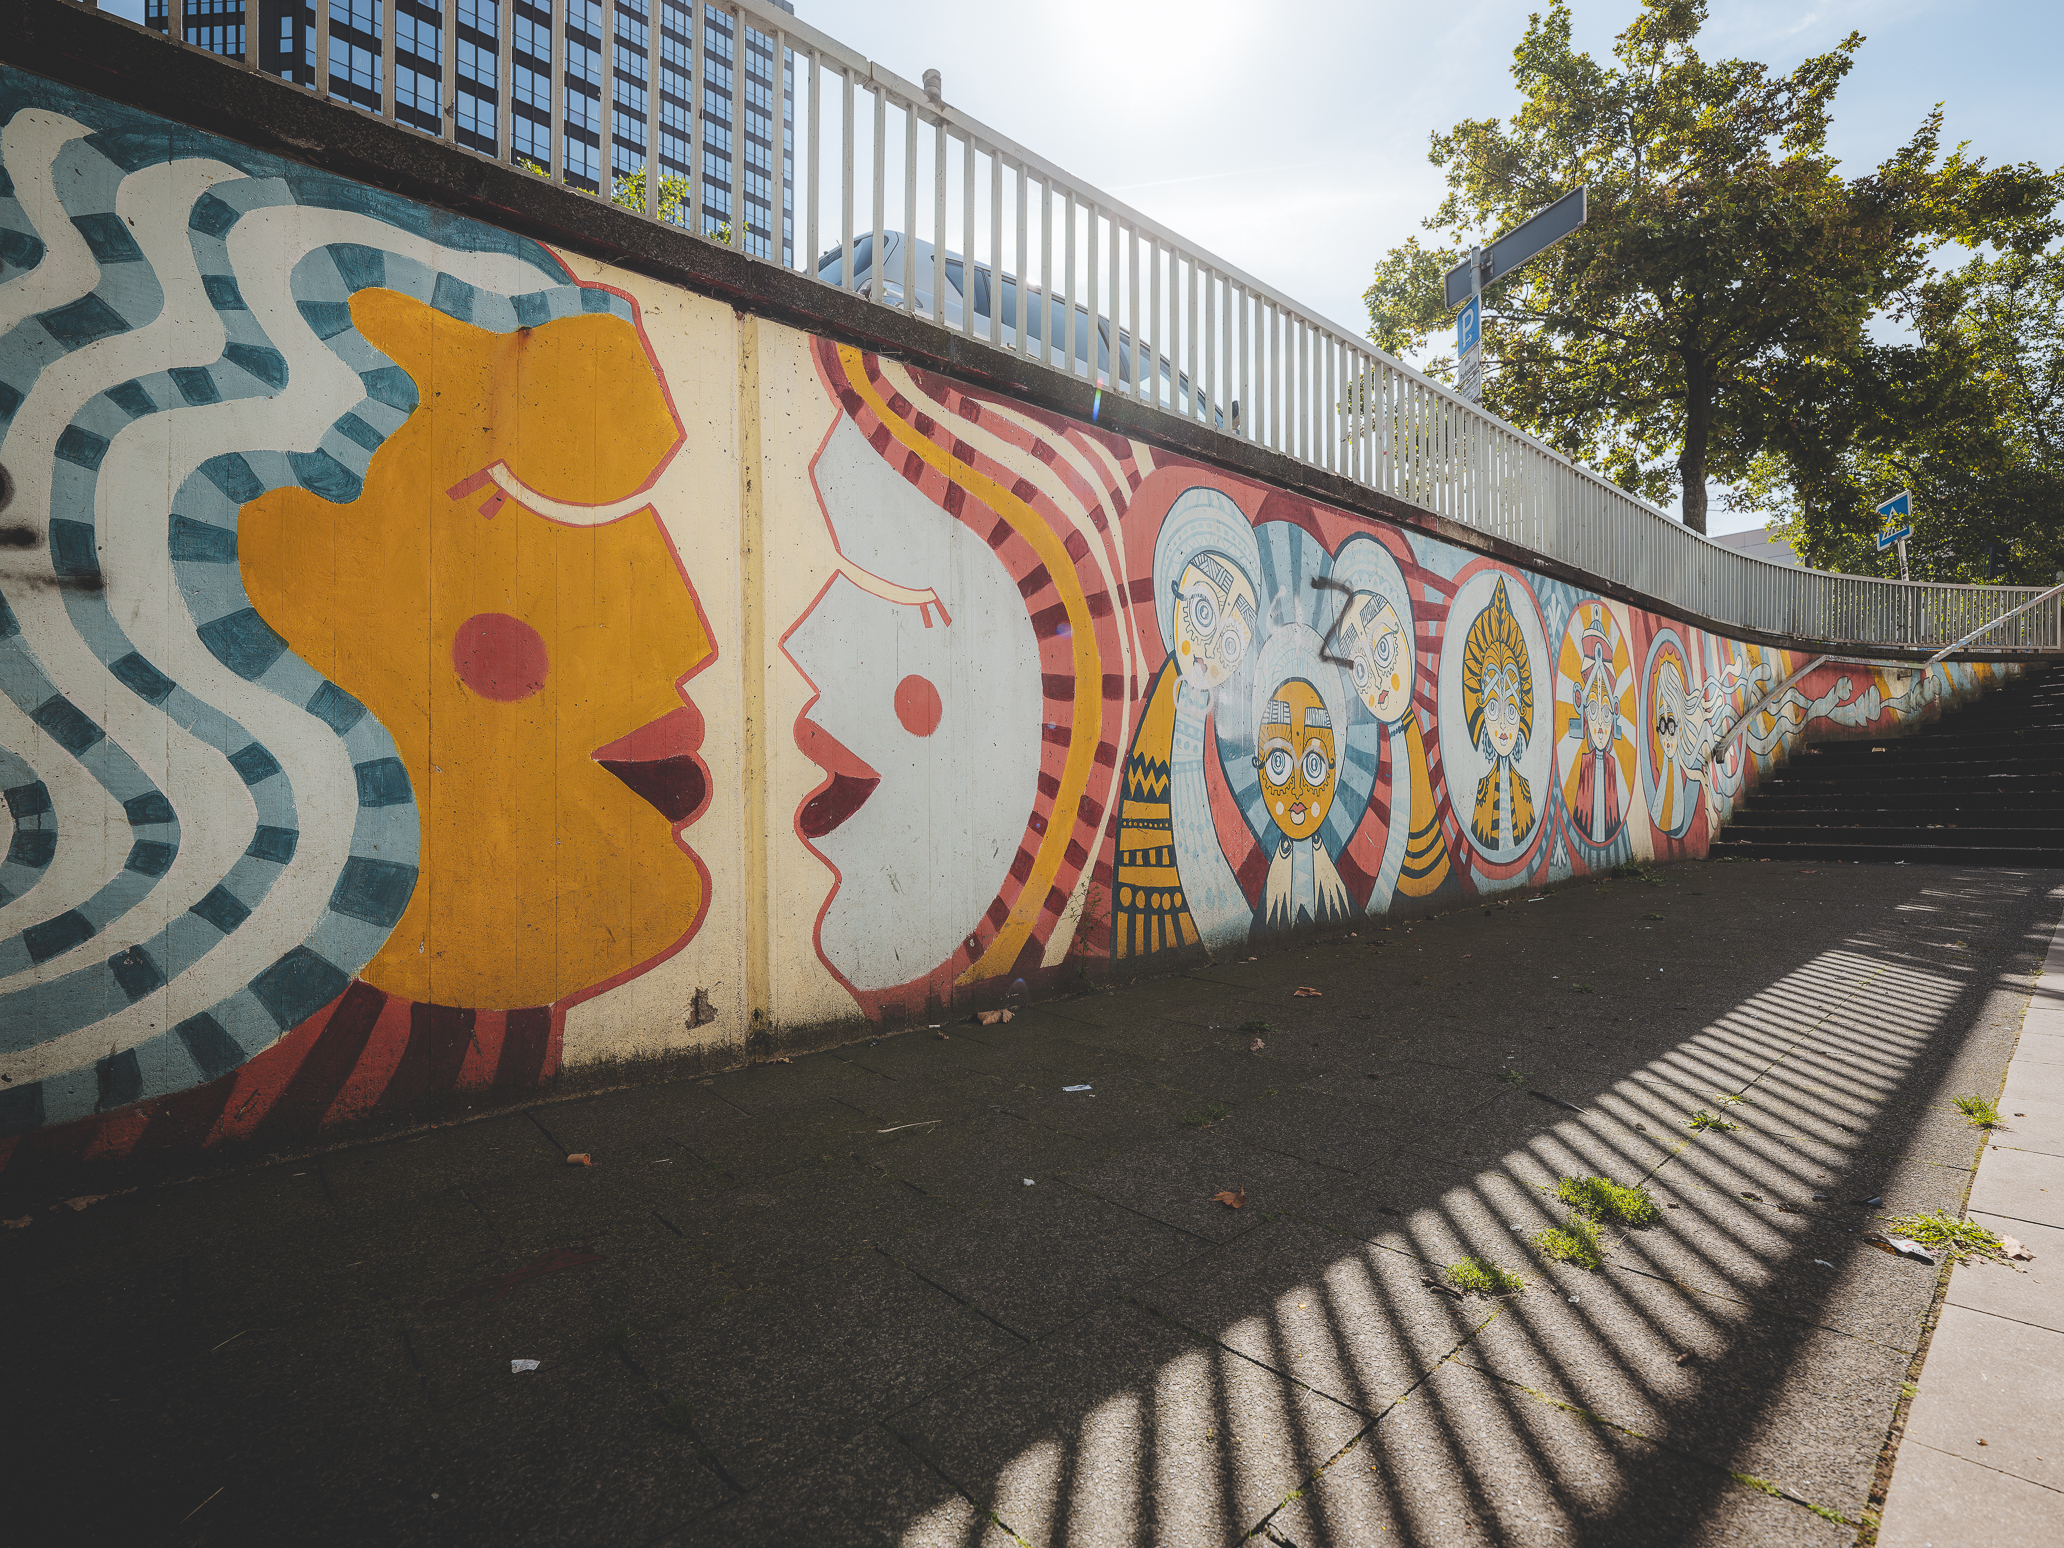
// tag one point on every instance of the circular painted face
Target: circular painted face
(1214, 620)
(1669, 708)
(1373, 638)
(1599, 715)
(1501, 709)
(1294, 752)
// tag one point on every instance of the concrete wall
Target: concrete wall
(433, 662)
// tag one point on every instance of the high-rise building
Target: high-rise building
(654, 51)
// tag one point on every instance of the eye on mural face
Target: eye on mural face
(1211, 636)
(1298, 788)
(1666, 731)
(948, 717)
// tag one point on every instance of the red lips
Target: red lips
(659, 762)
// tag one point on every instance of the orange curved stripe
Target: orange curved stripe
(1089, 721)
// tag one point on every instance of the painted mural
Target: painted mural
(359, 564)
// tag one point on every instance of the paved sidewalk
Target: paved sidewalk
(1982, 1459)
(917, 1292)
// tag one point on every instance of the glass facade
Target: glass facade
(653, 72)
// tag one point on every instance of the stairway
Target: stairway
(1981, 785)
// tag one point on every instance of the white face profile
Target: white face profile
(947, 716)
(1373, 638)
(1214, 620)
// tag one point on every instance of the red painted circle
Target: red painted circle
(500, 657)
(918, 706)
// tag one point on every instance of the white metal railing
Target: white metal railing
(1061, 273)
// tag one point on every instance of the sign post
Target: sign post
(1469, 336)
(1895, 526)
(1464, 284)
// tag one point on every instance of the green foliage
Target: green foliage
(629, 192)
(1976, 432)
(1705, 1120)
(1574, 1241)
(1983, 1114)
(1206, 1118)
(1480, 1276)
(1607, 1202)
(1715, 308)
(1946, 1236)
(1255, 1024)
(1515, 1077)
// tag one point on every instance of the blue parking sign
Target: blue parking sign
(1468, 326)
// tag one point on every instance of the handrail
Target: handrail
(813, 171)
(1983, 629)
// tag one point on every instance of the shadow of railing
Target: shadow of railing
(1740, 1362)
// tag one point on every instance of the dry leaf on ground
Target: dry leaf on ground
(2008, 1248)
(991, 1018)
(20, 1224)
(1255, 1046)
(580, 1158)
(1232, 1198)
(1305, 991)
(84, 1199)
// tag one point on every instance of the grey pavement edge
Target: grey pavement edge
(1982, 1457)
(918, 1291)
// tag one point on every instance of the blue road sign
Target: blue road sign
(1468, 327)
(1895, 520)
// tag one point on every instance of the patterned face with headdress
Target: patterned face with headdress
(1497, 681)
(1601, 716)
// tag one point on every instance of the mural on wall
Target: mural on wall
(346, 726)
(1320, 717)
(342, 656)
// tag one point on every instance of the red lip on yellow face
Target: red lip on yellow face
(659, 762)
(1297, 811)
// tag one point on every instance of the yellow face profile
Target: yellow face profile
(1373, 637)
(1294, 752)
(528, 668)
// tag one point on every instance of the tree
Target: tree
(1715, 306)
(1984, 461)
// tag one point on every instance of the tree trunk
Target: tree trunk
(1698, 430)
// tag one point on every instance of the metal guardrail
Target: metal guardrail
(1085, 282)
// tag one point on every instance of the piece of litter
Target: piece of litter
(518, 1367)
(1250, 959)
(1304, 992)
(1899, 1247)
(991, 1018)
(1820, 1198)
(1028, 1182)
(664, 1161)
(1823, 1263)
(1573, 1300)
(922, 1123)
(1870, 1203)
(1685, 1358)
(2013, 1249)
(580, 1158)
(1255, 1046)
(1231, 1198)
(1435, 1284)
(1075, 1088)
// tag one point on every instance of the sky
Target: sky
(1290, 137)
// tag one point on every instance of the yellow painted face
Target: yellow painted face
(504, 651)
(1373, 637)
(1214, 620)
(1294, 752)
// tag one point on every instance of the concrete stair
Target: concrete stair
(1982, 785)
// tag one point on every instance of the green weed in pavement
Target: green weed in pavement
(1607, 1202)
